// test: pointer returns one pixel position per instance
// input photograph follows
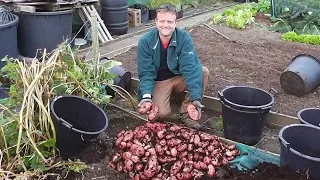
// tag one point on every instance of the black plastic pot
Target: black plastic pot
(41, 30)
(122, 78)
(8, 40)
(301, 76)
(310, 116)
(77, 121)
(144, 13)
(180, 14)
(300, 149)
(244, 112)
(152, 14)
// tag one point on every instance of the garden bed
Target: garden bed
(256, 59)
(98, 156)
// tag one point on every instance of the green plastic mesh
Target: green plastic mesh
(281, 6)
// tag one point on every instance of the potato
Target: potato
(153, 112)
(145, 107)
(211, 170)
(193, 112)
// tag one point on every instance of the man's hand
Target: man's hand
(198, 105)
(145, 105)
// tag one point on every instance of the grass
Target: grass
(217, 123)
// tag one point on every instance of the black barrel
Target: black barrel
(115, 16)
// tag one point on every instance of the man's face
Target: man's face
(166, 23)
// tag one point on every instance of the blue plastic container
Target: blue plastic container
(300, 149)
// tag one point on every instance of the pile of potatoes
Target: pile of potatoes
(160, 151)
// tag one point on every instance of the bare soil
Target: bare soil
(257, 58)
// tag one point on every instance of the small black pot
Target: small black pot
(180, 14)
(152, 14)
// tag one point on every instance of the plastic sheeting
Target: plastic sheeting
(147, 3)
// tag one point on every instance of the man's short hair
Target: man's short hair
(167, 8)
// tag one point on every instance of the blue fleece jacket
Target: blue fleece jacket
(181, 58)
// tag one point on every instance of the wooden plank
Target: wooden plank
(273, 119)
(100, 30)
(29, 9)
(103, 25)
(87, 14)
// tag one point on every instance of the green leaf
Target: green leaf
(48, 143)
(281, 27)
(310, 29)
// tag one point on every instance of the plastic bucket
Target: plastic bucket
(301, 76)
(300, 149)
(41, 30)
(77, 121)
(310, 116)
(9, 43)
(244, 112)
(122, 78)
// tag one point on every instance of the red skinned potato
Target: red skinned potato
(128, 165)
(153, 113)
(176, 167)
(137, 150)
(126, 155)
(211, 170)
(151, 167)
(145, 107)
(193, 112)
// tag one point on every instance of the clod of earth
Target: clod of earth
(159, 151)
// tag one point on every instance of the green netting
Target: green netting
(282, 6)
(302, 17)
(147, 3)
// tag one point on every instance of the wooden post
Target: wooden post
(95, 41)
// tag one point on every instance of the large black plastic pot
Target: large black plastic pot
(41, 30)
(300, 149)
(310, 116)
(122, 78)
(115, 16)
(244, 112)
(301, 76)
(8, 40)
(77, 121)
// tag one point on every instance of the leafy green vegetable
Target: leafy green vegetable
(237, 17)
(302, 38)
(263, 6)
(298, 18)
